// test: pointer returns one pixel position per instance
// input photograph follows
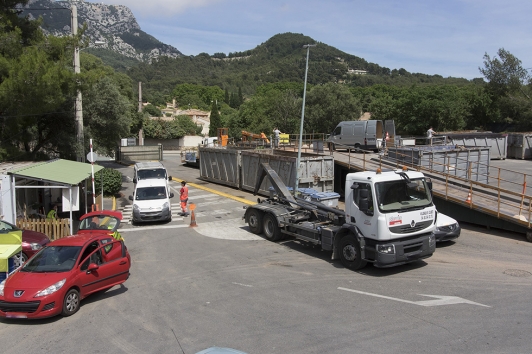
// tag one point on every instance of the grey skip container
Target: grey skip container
(497, 142)
(467, 163)
(520, 146)
(239, 168)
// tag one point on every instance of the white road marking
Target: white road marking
(153, 228)
(246, 285)
(440, 300)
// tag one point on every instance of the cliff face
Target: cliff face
(113, 24)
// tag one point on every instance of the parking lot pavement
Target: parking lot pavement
(213, 213)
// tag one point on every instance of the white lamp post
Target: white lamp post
(302, 120)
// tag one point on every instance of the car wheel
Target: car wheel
(350, 253)
(255, 221)
(271, 228)
(71, 302)
(357, 147)
(19, 259)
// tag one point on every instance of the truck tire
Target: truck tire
(271, 228)
(255, 221)
(350, 253)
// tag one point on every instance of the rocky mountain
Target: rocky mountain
(115, 25)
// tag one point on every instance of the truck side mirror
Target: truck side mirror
(171, 195)
(130, 197)
(169, 178)
(429, 183)
(134, 180)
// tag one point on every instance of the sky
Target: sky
(443, 37)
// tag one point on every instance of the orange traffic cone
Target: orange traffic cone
(192, 206)
(468, 199)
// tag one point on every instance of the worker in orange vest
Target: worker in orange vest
(183, 196)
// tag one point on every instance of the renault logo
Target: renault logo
(412, 223)
(18, 293)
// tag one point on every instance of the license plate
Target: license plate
(9, 315)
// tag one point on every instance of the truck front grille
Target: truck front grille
(406, 229)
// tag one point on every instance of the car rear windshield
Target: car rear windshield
(156, 173)
(53, 259)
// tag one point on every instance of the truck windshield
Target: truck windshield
(157, 173)
(149, 193)
(400, 195)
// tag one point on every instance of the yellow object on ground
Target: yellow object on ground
(10, 244)
(284, 138)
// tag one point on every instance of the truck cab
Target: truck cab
(392, 215)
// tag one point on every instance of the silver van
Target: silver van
(150, 170)
(360, 134)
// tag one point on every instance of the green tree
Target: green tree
(327, 105)
(509, 86)
(215, 120)
(107, 116)
(152, 110)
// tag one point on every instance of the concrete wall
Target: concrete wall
(188, 142)
(131, 154)
(168, 144)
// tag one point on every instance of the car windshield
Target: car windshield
(53, 259)
(7, 227)
(157, 173)
(149, 193)
(400, 195)
(99, 222)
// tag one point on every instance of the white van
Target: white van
(360, 134)
(150, 170)
(209, 142)
(151, 201)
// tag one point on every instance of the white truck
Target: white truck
(389, 218)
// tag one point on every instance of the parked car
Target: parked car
(66, 271)
(447, 228)
(32, 241)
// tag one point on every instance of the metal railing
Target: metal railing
(506, 194)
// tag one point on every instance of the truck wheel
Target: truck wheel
(255, 221)
(271, 228)
(350, 253)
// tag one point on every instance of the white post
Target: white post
(92, 175)
(298, 163)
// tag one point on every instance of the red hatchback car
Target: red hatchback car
(65, 271)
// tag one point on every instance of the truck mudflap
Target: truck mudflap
(397, 252)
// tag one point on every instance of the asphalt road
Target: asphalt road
(218, 284)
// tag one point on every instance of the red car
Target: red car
(60, 275)
(32, 241)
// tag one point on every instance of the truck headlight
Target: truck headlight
(432, 240)
(166, 206)
(136, 207)
(386, 249)
(2, 287)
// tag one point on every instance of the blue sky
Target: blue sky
(444, 37)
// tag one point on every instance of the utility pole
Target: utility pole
(302, 120)
(80, 151)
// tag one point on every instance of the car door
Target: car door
(110, 270)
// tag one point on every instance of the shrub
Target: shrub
(112, 181)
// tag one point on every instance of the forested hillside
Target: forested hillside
(280, 59)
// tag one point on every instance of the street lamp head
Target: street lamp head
(308, 46)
